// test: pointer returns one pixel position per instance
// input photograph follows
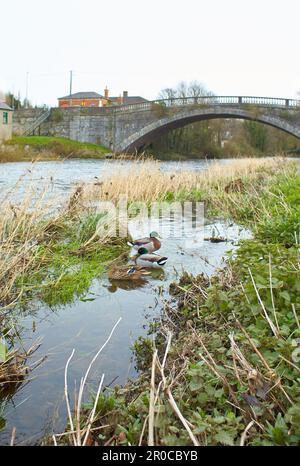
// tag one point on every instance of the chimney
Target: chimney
(125, 94)
(106, 93)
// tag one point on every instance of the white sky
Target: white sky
(234, 47)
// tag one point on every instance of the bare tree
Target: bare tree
(167, 93)
(182, 89)
(197, 89)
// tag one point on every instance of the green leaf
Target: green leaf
(285, 295)
(3, 351)
(225, 438)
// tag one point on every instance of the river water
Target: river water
(38, 407)
(60, 177)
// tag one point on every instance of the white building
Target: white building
(5, 121)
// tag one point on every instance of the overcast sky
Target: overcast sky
(234, 47)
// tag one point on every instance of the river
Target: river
(38, 407)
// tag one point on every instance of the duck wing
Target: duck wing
(154, 258)
(142, 241)
(146, 243)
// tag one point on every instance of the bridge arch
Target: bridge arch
(149, 132)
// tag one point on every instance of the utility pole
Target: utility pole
(27, 79)
(71, 81)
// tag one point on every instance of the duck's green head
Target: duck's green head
(142, 251)
(153, 234)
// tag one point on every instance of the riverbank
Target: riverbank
(47, 257)
(220, 366)
(50, 252)
(35, 148)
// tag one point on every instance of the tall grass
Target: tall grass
(22, 227)
(145, 181)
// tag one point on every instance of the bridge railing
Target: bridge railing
(212, 100)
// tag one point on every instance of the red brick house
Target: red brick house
(82, 99)
(92, 99)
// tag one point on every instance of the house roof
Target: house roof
(131, 99)
(82, 95)
(4, 106)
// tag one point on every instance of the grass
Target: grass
(48, 148)
(65, 274)
(224, 366)
(54, 260)
(144, 181)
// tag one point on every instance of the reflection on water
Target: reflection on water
(126, 284)
(39, 406)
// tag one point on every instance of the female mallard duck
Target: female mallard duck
(147, 260)
(126, 272)
(151, 244)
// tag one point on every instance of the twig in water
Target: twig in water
(83, 381)
(78, 431)
(13, 436)
(67, 397)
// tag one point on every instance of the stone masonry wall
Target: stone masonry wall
(121, 129)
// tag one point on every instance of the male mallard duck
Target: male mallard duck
(126, 272)
(151, 244)
(144, 259)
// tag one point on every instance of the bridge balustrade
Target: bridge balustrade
(210, 100)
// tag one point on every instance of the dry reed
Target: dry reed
(145, 181)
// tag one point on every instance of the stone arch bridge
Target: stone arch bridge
(130, 128)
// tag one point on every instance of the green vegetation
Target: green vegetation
(66, 274)
(48, 148)
(210, 139)
(56, 115)
(68, 262)
(257, 135)
(227, 355)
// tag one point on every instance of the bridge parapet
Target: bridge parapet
(272, 102)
